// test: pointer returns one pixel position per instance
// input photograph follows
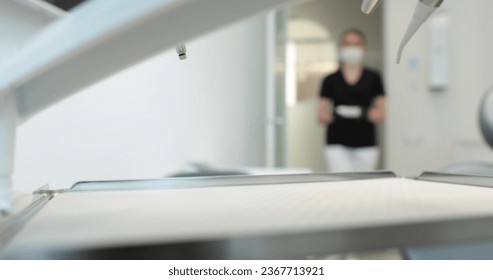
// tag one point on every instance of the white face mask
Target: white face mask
(351, 55)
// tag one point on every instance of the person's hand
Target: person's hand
(376, 113)
(325, 115)
(374, 116)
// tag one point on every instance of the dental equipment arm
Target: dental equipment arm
(7, 144)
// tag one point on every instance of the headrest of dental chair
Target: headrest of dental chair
(486, 117)
(478, 168)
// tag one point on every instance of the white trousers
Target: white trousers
(340, 158)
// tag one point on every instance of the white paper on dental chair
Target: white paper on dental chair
(111, 218)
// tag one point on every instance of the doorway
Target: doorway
(310, 53)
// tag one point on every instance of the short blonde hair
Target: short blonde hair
(353, 31)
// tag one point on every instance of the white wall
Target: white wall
(151, 119)
(429, 130)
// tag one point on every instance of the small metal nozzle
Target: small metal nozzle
(432, 3)
(368, 6)
(182, 52)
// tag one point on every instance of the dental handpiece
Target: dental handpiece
(424, 9)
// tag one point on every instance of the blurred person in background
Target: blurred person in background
(352, 103)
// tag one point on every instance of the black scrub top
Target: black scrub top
(359, 132)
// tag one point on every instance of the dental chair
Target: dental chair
(479, 168)
(195, 169)
(476, 250)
